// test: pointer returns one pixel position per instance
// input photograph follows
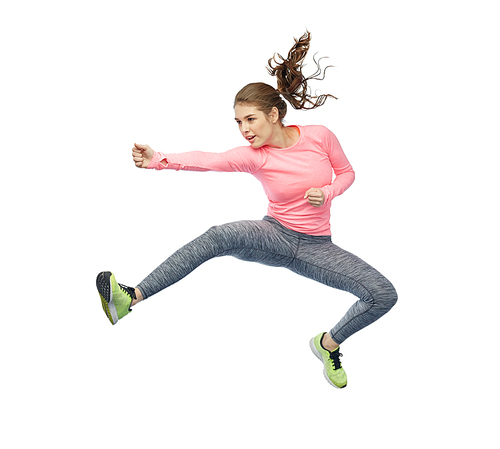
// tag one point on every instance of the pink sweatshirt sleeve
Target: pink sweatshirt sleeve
(240, 159)
(344, 174)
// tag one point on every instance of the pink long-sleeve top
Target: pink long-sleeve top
(285, 173)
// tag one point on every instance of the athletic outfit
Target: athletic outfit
(285, 173)
(293, 234)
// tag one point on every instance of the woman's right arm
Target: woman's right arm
(241, 159)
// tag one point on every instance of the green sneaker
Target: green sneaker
(116, 298)
(333, 371)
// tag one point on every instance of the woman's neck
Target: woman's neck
(285, 137)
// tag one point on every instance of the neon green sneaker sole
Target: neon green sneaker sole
(333, 371)
(115, 298)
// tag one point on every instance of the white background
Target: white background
(221, 359)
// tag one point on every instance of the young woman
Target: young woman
(295, 165)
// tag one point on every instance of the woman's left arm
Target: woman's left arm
(344, 174)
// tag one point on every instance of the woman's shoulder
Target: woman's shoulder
(317, 133)
(249, 158)
(314, 129)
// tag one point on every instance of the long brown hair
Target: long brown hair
(292, 84)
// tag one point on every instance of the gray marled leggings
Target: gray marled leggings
(268, 242)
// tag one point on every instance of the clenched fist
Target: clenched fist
(142, 155)
(315, 197)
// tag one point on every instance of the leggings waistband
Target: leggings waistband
(300, 235)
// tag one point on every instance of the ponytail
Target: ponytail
(292, 85)
(291, 82)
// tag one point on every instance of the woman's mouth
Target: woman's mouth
(250, 138)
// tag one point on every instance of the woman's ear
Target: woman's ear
(274, 115)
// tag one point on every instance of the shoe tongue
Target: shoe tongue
(129, 290)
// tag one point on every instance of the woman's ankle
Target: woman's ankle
(138, 297)
(329, 343)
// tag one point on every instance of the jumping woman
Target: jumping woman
(302, 169)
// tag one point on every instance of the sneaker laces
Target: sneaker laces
(130, 292)
(335, 359)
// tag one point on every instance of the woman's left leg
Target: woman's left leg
(319, 259)
(323, 261)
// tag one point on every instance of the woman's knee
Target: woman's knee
(385, 295)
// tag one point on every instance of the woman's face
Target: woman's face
(255, 126)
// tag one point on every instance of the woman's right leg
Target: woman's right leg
(255, 241)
